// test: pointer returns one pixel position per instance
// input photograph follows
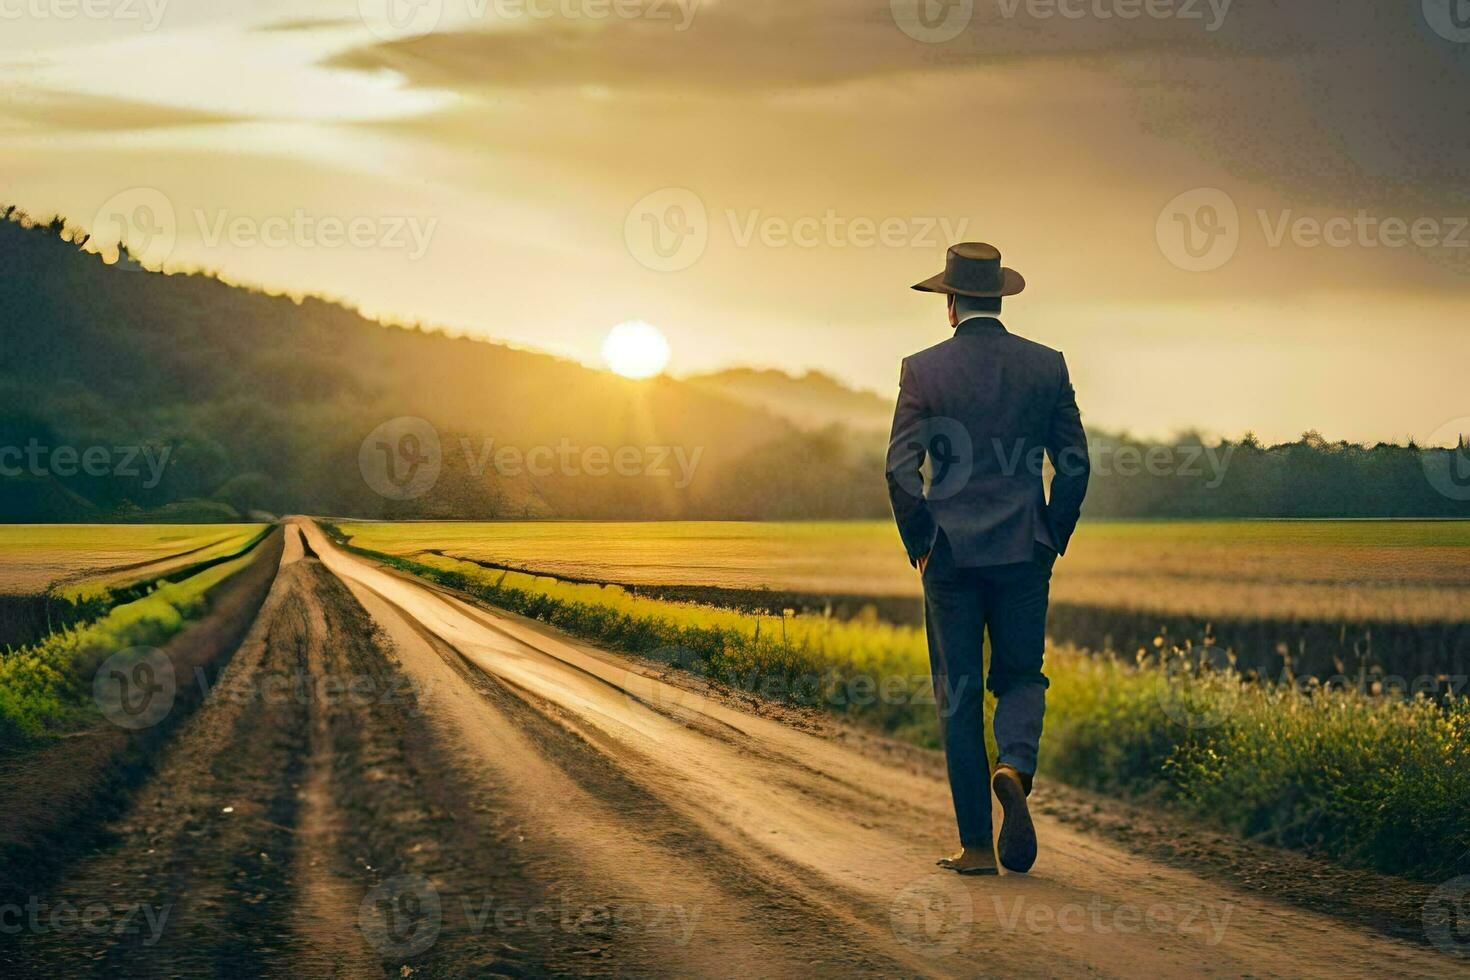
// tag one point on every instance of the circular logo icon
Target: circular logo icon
(1446, 917)
(1193, 694)
(944, 448)
(1199, 230)
(141, 218)
(932, 21)
(135, 688)
(400, 459)
(1448, 470)
(933, 917)
(1450, 19)
(667, 231)
(400, 20)
(402, 916)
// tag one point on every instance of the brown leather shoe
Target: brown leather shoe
(971, 861)
(1017, 840)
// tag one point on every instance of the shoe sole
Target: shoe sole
(984, 869)
(1017, 843)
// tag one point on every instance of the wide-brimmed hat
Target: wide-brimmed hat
(974, 269)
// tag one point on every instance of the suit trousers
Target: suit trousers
(960, 606)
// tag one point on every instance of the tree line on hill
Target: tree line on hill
(128, 394)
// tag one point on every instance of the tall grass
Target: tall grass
(1375, 780)
(1371, 779)
(46, 688)
(31, 617)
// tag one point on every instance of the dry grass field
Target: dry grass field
(1401, 571)
(38, 557)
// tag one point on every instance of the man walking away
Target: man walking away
(981, 408)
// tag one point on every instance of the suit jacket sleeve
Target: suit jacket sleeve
(1066, 445)
(905, 457)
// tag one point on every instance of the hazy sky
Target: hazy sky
(1246, 215)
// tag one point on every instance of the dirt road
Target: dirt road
(390, 780)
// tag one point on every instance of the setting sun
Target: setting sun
(635, 349)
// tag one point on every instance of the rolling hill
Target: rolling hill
(811, 401)
(264, 403)
(127, 394)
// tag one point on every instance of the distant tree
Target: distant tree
(263, 402)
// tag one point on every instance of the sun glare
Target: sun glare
(635, 349)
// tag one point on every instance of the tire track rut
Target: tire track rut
(388, 780)
(295, 824)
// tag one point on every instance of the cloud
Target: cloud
(306, 24)
(746, 48)
(73, 112)
(1342, 105)
(1059, 138)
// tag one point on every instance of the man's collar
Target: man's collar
(978, 323)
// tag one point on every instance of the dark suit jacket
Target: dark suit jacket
(983, 406)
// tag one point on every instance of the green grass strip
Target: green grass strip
(46, 688)
(1370, 779)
